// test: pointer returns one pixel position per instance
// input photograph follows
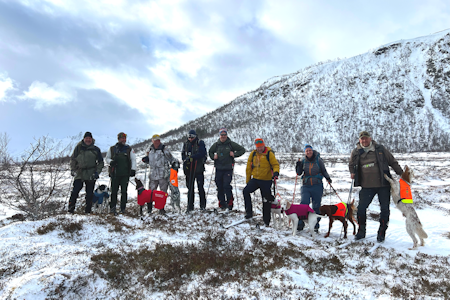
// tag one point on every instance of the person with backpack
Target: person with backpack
(86, 163)
(161, 161)
(262, 168)
(368, 163)
(122, 166)
(223, 153)
(194, 157)
(313, 170)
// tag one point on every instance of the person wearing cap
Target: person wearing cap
(368, 163)
(312, 169)
(262, 167)
(194, 157)
(86, 163)
(223, 153)
(122, 165)
(161, 161)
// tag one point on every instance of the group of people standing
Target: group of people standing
(368, 163)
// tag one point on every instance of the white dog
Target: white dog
(402, 197)
(277, 216)
(300, 211)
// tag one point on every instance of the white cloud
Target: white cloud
(45, 96)
(6, 85)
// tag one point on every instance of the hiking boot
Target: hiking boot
(249, 216)
(162, 212)
(202, 209)
(188, 211)
(300, 225)
(112, 210)
(316, 230)
(362, 228)
(122, 211)
(71, 211)
(382, 231)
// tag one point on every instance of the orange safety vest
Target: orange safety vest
(341, 210)
(174, 177)
(405, 192)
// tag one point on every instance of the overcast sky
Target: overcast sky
(144, 67)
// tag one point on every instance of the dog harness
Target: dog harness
(144, 196)
(341, 210)
(301, 210)
(405, 192)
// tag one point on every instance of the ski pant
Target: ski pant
(264, 186)
(312, 193)
(117, 181)
(200, 178)
(223, 183)
(77, 186)
(366, 196)
(153, 185)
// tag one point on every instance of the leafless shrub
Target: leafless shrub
(34, 182)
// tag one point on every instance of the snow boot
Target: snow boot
(362, 228)
(382, 231)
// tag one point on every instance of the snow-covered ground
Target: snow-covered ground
(97, 256)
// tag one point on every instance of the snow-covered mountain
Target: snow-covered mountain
(399, 92)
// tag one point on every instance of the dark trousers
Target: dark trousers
(312, 193)
(366, 196)
(264, 186)
(77, 186)
(117, 181)
(200, 178)
(223, 183)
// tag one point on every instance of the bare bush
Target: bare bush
(34, 183)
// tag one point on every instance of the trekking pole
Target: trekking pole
(70, 191)
(191, 184)
(210, 180)
(350, 194)
(295, 187)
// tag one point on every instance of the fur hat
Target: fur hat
(87, 134)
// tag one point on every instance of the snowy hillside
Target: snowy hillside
(192, 257)
(400, 92)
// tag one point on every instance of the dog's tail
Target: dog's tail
(420, 232)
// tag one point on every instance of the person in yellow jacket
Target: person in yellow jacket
(262, 167)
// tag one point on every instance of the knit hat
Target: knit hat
(87, 134)
(259, 142)
(364, 134)
(192, 131)
(156, 137)
(223, 129)
(121, 135)
(307, 146)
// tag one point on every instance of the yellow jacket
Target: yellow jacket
(258, 166)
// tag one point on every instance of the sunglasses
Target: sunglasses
(258, 142)
(192, 136)
(223, 135)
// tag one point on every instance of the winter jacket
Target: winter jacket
(313, 169)
(259, 167)
(160, 161)
(369, 167)
(224, 160)
(86, 161)
(194, 155)
(125, 158)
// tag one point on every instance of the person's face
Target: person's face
(260, 149)
(223, 137)
(156, 143)
(87, 140)
(309, 152)
(191, 137)
(123, 140)
(365, 141)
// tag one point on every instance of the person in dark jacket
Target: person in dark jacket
(313, 170)
(368, 163)
(86, 163)
(194, 156)
(122, 162)
(223, 153)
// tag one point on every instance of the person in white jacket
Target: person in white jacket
(122, 166)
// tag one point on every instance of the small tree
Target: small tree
(36, 182)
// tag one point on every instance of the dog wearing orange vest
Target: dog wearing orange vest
(402, 197)
(341, 212)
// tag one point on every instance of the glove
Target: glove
(145, 159)
(95, 176)
(275, 175)
(113, 163)
(133, 173)
(297, 166)
(73, 173)
(329, 181)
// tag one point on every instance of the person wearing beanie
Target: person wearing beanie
(368, 163)
(86, 163)
(312, 169)
(194, 157)
(122, 165)
(262, 168)
(223, 153)
(161, 161)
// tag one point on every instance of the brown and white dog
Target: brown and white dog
(341, 212)
(297, 212)
(413, 225)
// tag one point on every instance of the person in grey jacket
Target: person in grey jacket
(161, 161)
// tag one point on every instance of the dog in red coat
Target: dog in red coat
(341, 212)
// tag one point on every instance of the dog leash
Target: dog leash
(295, 187)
